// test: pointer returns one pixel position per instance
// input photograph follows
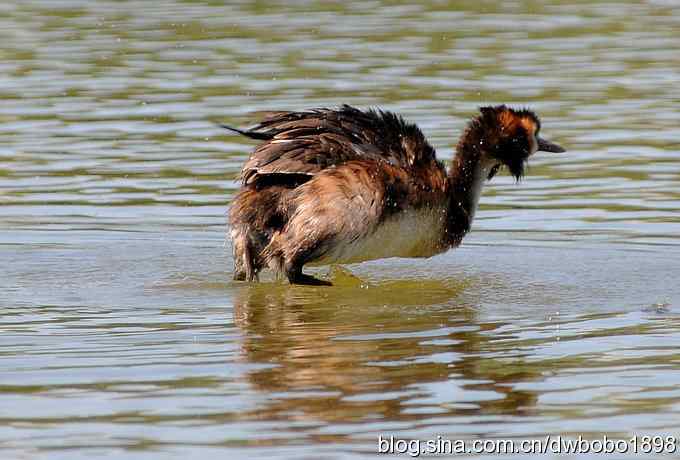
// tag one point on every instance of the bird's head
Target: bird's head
(507, 137)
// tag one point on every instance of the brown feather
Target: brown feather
(311, 141)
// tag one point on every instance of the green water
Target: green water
(122, 334)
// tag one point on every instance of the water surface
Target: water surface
(122, 334)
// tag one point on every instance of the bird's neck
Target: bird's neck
(469, 170)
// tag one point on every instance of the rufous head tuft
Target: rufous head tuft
(509, 137)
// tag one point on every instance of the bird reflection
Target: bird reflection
(393, 350)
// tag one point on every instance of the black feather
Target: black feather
(251, 134)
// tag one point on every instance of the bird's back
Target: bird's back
(298, 145)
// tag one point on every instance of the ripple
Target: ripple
(122, 334)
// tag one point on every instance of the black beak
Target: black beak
(547, 146)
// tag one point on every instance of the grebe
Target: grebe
(343, 185)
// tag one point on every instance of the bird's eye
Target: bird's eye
(493, 171)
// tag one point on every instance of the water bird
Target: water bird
(344, 185)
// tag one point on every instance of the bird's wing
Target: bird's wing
(305, 143)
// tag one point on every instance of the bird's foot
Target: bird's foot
(308, 280)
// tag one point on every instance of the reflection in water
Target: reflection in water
(353, 367)
(380, 355)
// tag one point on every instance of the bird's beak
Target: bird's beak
(547, 146)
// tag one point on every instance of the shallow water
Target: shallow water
(122, 334)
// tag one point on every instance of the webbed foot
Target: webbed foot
(295, 276)
(309, 280)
